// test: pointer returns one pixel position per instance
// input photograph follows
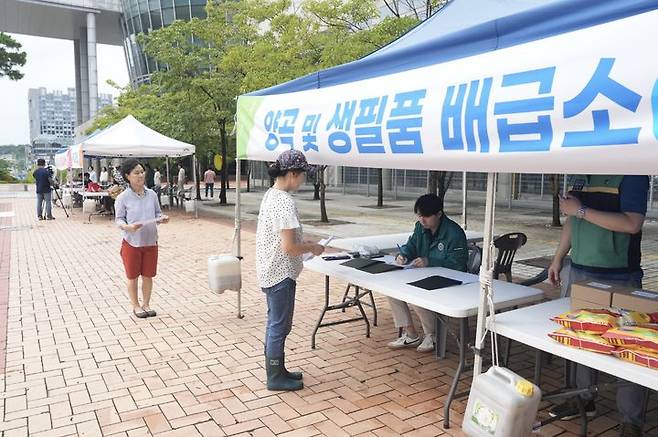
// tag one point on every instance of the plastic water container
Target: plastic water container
(224, 273)
(189, 205)
(89, 206)
(501, 404)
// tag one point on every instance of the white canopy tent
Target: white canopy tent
(541, 86)
(130, 138)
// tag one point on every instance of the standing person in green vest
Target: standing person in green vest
(603, 232)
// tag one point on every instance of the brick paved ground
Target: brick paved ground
(77, 362)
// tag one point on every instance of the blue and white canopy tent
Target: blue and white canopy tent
(535, 86)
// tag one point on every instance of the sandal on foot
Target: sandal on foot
(141, 314)
(151, 313)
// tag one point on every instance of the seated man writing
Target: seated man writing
(437, 241)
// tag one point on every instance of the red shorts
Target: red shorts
(139, 260)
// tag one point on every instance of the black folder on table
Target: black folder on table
(381, 267)
(359, 263)
(370, 265)
(435, 282)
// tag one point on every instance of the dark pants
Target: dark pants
(212, 189)
(280, 309)
(631, 399)
(47, 199)
(158, 191)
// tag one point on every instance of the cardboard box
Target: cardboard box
(578, 304)
(596, 294)
(636, 300)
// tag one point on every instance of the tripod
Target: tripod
(61, 202)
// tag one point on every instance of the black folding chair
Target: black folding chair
(507, 246)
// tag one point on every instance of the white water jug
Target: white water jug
(501, 404)
(224, 273)
(89, 206)
(189, 205)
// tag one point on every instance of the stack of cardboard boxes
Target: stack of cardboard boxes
(594, 295)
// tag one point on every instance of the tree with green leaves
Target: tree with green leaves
(178, 115)
(11, 57)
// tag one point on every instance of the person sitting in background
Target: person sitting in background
(436, 241)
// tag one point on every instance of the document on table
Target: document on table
(307, 256)
(390, 259)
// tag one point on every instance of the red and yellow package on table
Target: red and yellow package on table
(638, 356)
(582, 340)
(589, 321)
(636, 318)
(646, 338)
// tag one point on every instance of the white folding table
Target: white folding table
(459, 302)
(531, 326)
(388, 242)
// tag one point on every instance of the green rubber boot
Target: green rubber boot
(277, 379)
(292, 375)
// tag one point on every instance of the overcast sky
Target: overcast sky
(50, 64)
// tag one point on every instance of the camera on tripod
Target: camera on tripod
(54, 183)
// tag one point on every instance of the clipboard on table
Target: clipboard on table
(435, 282)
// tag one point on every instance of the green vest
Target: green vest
(596, 248)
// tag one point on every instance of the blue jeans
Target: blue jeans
(280, 309)
(631, 399)
(47, 198)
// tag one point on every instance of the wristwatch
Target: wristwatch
(581, 212)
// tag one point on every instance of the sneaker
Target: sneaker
(630, 430)
(404, 341)
(427, 345)
(569, 410)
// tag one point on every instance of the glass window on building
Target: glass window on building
(182, 9)
(167, 16)
(146, 23)
(199, 11)
(156, 19)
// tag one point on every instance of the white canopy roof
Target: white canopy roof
(129, 137)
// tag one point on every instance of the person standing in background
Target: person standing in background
(92, 175)
(138, 214)
(157, 183)
(42, 179)
(105, 177)
(209, 180)
(181, 177)
(149, 177)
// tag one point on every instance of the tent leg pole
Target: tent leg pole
(196, 203)
(238, 226)
(464, 201)
(490, 209)
(171, 197)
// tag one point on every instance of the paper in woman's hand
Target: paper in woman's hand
(147, 221)
(307, 256)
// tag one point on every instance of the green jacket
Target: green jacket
(447, 248)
